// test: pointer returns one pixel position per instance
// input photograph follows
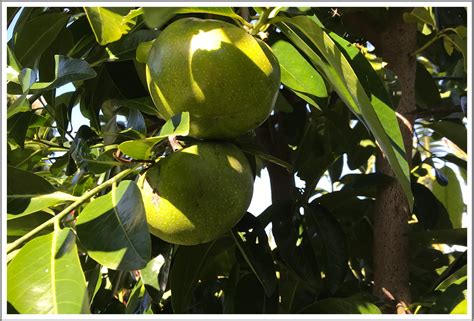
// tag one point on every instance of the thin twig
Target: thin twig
(72, 206)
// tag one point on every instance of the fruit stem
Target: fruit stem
(72, 206)
(262, 21)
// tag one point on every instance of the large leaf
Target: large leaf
(21, 182)
(297, 255)
(251, 239)
(113, 229)
(23, 204)
(110, 24)
(375, 113)
(46, 276)
(184, 275)
(156, 17)
(298, 74)
(455, 132)
(66, 70)
(450, 196)
(178, 125)
(321, 225)
(37, 35)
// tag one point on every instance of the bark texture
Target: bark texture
(391, 212)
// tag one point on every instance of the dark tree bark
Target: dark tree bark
(391, 213)
(394, 42)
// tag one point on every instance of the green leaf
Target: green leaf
(46, 277)
(251, 239)
(184, 275)
(460, 43)
(157, 17)
(17, 126)
(374, 112)
(110, 24)
(37, 35)
(320, 222)
(340, 306)
(16, 179)
(126, 47)
(178, 125)
(20, 105)
(20, 225)
(298, 75)
(143, 104)
(455, 132)
(23, 204)
(450, 196)
(448, 236)
(421, 15)
(426, 91)
(457, 277)
(114, 231)
(66, 70)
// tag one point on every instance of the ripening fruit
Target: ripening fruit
(227, 79)
(198, 193)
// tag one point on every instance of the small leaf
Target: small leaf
(251, 239)
(178, 125)
(298, 75)
(17, 126)
(46, 277)
(114, 231)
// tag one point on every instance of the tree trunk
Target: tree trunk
(391, 212)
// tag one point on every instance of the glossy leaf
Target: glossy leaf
(455, 132)
(460, 308)
(66, 70)
(52, 282)
(450, 196)
(298, 74)
(381, 121)
(113, 229)
(251, 239)
(158, 16)
(37, 35)
(23, 204)
(16, 179)
(110, 24)
(126, 47)
(141, 149)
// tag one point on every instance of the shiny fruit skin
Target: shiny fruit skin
(197, 194)
(227, 79)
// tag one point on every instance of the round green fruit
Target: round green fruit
(198, 193)
(225, 78)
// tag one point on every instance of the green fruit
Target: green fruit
(198, 193)
(226, 79)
